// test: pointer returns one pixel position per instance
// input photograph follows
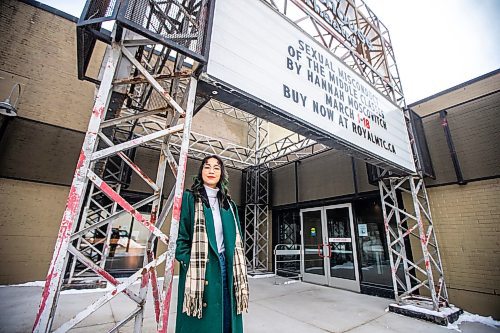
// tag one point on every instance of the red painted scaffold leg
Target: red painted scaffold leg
(176, 213)
(46, 311)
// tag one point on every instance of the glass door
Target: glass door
(313, 266)
(329, 250)
(342, 261)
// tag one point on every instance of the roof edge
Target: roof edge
(51, 10)
(461, 85)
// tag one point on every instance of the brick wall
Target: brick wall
(467, 226)
(29, 220)
(40, 47)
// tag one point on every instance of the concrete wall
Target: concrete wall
(40, 148)
(228, 128)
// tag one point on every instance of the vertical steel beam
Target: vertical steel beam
(423, 238)
(428, 270)
(48, 304)
(176, 213)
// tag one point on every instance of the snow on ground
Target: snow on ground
(27, 284)
(442, 313)
(260, 276)
(109, 286)
(473, 318)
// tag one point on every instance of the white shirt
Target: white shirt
(214, 205)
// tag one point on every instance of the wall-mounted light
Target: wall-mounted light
(7, 108)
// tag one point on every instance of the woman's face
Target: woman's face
(211, 172)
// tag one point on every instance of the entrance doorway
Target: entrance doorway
(329, 249)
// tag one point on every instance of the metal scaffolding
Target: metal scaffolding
(424, 268)
(147, 98)
(375, 61)
(257, 217)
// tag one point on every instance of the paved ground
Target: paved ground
(291, 308)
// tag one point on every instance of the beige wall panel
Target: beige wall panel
(277, 133)
(283, 185)
(41, 48)
(36, 151)
(466, 221)
(218, 125)
(147, 160)
(478, 303)
(459, 95)
(438, 149)
(325, 175)
(30, 215)
(475, 129)
(362, 177)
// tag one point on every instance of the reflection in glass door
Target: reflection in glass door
(127, 243)
(329, 255)
(343, 259)
(313, 246)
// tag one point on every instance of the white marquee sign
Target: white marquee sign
(258, 51)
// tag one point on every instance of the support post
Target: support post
(48, 303)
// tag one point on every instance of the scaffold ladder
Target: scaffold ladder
(97, 147)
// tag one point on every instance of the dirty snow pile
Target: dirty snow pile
(473, 318)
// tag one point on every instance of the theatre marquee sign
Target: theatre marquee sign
(258, 52)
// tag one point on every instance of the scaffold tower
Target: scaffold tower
(418, 280)
(146, 97)
(155, 57)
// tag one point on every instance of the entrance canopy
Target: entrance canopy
(260, 62)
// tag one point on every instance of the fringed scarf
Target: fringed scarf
(195, 277)
(240, 278)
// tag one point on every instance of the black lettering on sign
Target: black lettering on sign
(294, 95)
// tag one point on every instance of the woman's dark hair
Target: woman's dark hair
(198, 189)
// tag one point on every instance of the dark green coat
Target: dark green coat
(211, 322)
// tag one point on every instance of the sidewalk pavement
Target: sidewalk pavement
(286, 308)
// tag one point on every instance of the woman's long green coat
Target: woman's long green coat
(211, 322)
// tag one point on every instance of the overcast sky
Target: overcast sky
(438, 43)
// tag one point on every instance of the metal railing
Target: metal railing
(289, 255)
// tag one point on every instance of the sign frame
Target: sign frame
(214, 87)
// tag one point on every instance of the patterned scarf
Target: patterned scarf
(195, 277)
(240, 278)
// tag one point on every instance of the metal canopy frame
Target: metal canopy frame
(377, 65)
(147, 97)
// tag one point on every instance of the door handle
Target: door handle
(320, 249)
(329, 250)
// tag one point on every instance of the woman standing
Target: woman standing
(213, 286)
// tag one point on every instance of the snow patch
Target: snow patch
(473, 318)
(290, 282)
(260, 276)
(27, 284)
(442, 313)
(109, 286)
